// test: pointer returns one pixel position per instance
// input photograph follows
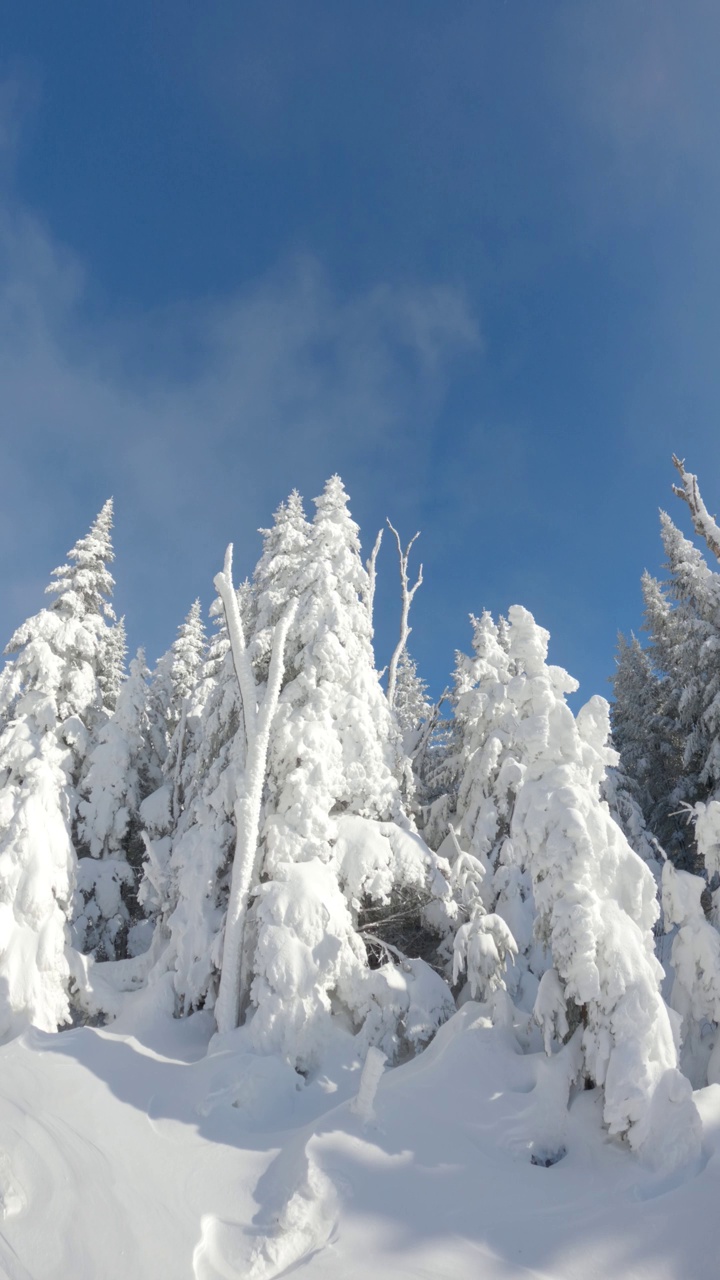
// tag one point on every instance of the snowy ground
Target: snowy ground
(135, 1152)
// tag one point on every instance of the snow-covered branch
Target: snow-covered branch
(703, 522)
(408, 595)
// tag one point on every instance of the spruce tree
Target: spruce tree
(115, 784)
(533, 803)
(188, 860)
(51, 711)
(334, 841)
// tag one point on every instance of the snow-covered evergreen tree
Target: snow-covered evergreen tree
(666, 719)
(488, 746)
(112, 666)
(115, 784)
(334, 836)
(173, 680)
(276, 581)
(51, 710)
(188, 863)
(530, 803)
(695, 957)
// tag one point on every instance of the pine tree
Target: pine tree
(535, 787)
(51, 710)
(488, 746)
(173, 683)
(640, 783)
(334, 840)
(114, 786)
(276, 581)
(112, 666)
(186, 667)
(188, 862)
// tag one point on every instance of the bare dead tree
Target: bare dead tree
(407, 597)
(705, 526)
(371, 571)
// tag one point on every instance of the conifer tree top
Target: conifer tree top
(84, 585)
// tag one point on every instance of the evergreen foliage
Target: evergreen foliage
(51, 713)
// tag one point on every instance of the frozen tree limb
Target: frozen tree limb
(247, 823)
(408, 595)
(248, 690)
(705, 526)
(372, 573)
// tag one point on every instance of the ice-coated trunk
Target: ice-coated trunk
(371, 567)
(241, 660)
(175, 800)
(247, 821)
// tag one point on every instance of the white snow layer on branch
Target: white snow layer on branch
(703, 522)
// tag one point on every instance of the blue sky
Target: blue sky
(464, 254)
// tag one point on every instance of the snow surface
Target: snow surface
(151, 1150)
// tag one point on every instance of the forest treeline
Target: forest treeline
(261, 828)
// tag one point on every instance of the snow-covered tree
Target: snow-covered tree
(276, 581)
(188, 864)
(187, 657)
(666, 719)
(534, 786)
(51, 710)
(695, 957)
(112, 666)
(115, 784)
(412, 706)
(334, 838)
(172, 687)
(488, 747)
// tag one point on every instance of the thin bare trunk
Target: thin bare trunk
(408, 595)
(241, 661)
(372, 574)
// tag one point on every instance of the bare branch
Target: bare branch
(371, 570)
(407, 597)
(704, 524)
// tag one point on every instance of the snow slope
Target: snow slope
(143, 1151)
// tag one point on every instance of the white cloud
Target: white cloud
(199, 418)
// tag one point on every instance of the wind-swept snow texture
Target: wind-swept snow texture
(132, 1153)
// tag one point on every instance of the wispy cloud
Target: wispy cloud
(199, 418)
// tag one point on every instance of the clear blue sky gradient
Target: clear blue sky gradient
(464, 254)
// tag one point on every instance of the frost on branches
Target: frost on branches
(334, 759)
(530, 803)
(696, 951)
(187, 869)
(264, 786)
(51, 710)
(115, 784)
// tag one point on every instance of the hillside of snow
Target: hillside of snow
(141, 1151)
